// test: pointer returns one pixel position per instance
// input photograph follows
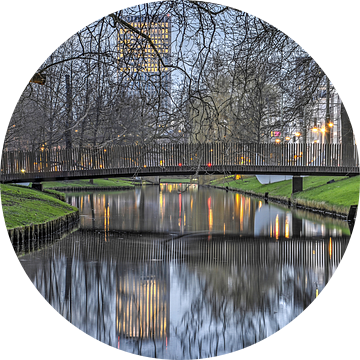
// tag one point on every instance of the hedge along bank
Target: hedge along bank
(34, 218)
(326, 194)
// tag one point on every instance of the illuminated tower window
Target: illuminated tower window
(136, 54)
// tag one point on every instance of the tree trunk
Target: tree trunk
(347, 138)
(68, 121)
(327, 122)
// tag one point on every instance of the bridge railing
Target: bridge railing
(191, 156)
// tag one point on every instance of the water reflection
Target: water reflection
(181, 272)
(182, 297)
(185, 208)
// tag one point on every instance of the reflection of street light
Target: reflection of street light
(314, 129)
(287, 138)
(277, 141)
(297, 134)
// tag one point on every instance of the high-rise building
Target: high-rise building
(144, 51)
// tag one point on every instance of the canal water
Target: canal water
(181, 272)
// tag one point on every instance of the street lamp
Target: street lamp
(323, 133)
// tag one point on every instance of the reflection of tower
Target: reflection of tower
(143, 302)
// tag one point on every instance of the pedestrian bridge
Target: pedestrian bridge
(179, 159)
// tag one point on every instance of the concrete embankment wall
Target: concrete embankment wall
(34, 236)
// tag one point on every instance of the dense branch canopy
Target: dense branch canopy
(219, 74)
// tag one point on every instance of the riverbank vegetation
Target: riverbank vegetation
(95, 183)
(327, 193)
(23, 206)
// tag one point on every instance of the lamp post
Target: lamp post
(331, 125)
(327, 115)
(324, 131)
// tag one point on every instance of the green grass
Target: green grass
(106, 183)
(251, 184)
(24, 206)
(343, 193)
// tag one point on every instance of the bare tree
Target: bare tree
(217, 74)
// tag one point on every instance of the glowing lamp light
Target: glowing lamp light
(180, 164)
(331, 124)
(22, 171)
(277, 141)
(287, 138)
(297, 134)
(209, 164)
(314, 129)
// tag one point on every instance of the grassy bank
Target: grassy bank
(86, 184)
(23, 206)
(337, 196)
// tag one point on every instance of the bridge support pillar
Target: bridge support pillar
(202, 179)
(205, 179)
(297, 184)
(37, 186)
(155, 180)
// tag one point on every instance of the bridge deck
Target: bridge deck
(179, 159)
(165, 171)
